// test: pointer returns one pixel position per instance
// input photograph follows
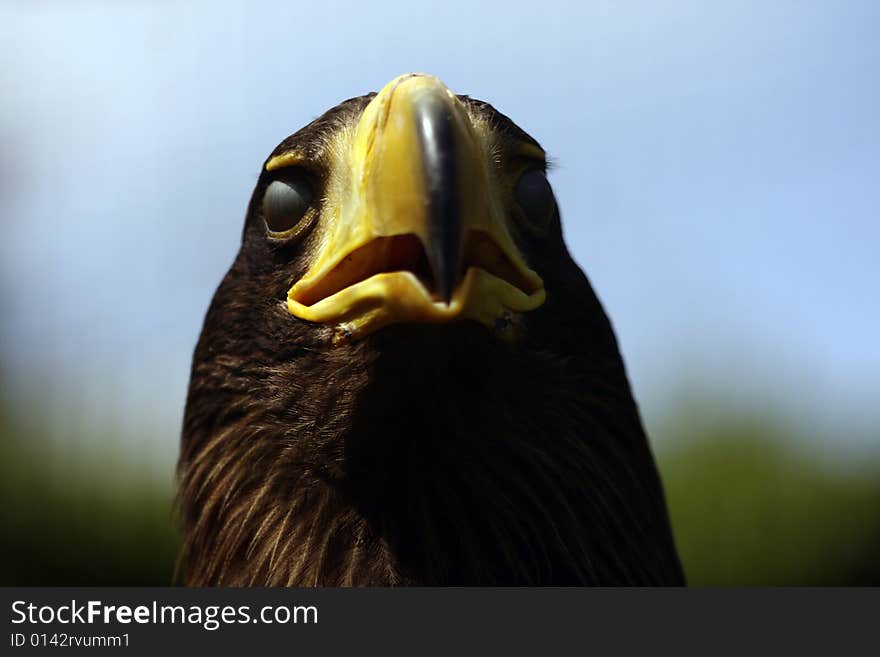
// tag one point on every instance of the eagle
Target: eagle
(405, 379)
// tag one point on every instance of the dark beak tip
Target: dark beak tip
(443, 260)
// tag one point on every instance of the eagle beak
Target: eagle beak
(414, 227)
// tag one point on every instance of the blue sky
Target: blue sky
(718, 170)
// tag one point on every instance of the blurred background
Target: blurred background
(718, 170)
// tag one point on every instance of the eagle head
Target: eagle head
(404, 378)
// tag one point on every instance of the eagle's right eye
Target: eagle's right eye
(286, 201)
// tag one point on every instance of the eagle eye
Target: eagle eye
(286, 201)
(535, 197)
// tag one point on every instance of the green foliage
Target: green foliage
(86, 537)
(89, 521)
(749, 510)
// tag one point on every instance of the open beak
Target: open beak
(418, 232)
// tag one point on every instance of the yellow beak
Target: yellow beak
(417, 232)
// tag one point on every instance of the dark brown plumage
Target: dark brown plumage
(421, 453)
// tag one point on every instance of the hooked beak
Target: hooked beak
(417, 233)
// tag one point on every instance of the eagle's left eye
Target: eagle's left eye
(286, 201)
(535, 197)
